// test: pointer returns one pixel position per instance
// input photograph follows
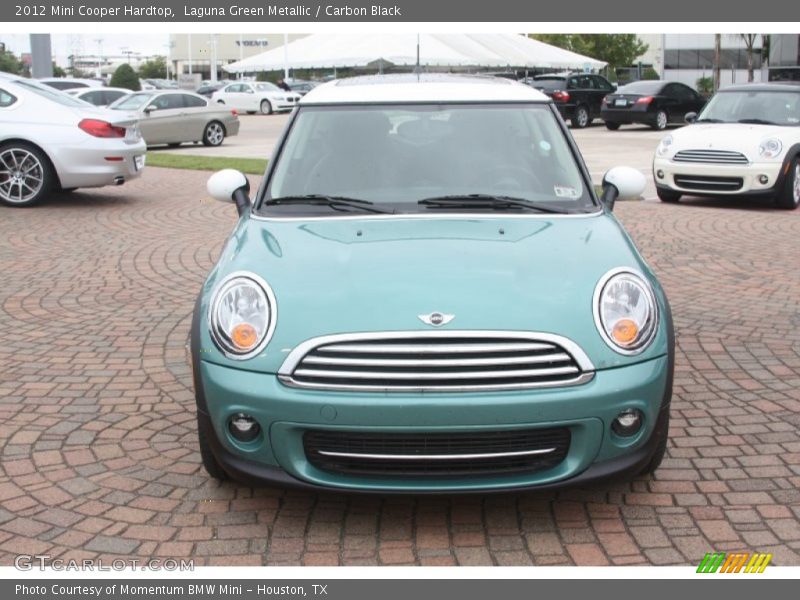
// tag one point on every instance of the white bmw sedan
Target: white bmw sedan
(50, 141)
(745, 142)
(257, 96)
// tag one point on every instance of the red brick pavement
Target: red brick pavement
(99, 454)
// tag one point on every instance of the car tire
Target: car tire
(213, 134)
(26, 175)
(661, 121)
(668, 196)
(580, 118)
(266, 107)
(210, 463)
(613, 126)
(790, 198)
(658, 456)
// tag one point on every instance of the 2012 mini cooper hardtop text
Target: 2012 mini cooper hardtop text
(425, 295)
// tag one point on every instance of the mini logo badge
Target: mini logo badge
(436, 319)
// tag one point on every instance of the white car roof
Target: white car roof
(423, 88)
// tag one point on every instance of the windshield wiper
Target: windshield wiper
(709, 121)
(487, 201)
(757, 121)
(334, 202)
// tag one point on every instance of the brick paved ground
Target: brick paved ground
(99, 456)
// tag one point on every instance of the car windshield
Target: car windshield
(641, 87)
(394, 156)
(132, 102)
(266, 87)
(50, 93)
(780, 108)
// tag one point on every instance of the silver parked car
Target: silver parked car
(50, 141)
(102, 96)
(169, 117)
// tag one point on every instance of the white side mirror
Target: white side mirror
(222, 184)
(622, 182)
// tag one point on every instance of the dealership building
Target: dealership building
(196, 53)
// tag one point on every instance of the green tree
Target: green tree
(9, 63)
(749, 40)
(125, 77)
(58, 71)
(154, 69)
(617, 49)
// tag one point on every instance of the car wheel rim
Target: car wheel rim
(21, 175)
(661, 120)
(796, 189)
(265, 107)
(583, 117)
(215, 134)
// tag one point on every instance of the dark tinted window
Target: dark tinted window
(6, 99)
(551, 84)
(681, 92)
(94, 97)
(642, 87)
(602, 84)
(65, 85)
(167, 101)
(193, 101)
(113, 96)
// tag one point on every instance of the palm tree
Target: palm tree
(749, 40)
(717, 58)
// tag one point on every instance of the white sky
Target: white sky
(65, 44)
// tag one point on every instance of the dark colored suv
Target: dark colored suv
(577, 96)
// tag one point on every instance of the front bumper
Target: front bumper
(691, 177)
(286, 413)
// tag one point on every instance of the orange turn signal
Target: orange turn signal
(244, 336)
(624, 331)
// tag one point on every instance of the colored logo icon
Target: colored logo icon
(736, 562)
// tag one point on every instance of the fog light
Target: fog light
(627, 423)
(243, 427)
(763, 179)
(660, 174)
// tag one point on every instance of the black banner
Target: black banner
(262, 11)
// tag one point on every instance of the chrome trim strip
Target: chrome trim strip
(435, 376)
(487, 387)
(436, 456)
(437, 362)
(389, 348)
(681, 180)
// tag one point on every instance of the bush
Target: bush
(705, 85)
(650, 73)
(125, 77)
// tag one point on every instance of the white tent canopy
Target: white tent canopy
(497, 50)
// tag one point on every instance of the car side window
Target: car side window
(681, 92)
(6, 99)
(93, 97)
(167, 101)
(193, 101)
(601, 84)
(231, 89)
(573, 83)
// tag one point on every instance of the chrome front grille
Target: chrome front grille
(717, 157)
(709, 184)
(436, 361)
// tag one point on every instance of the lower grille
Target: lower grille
(489, 453)
(709, 184)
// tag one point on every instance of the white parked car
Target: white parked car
(256, 96)
(99, 96)
(746, 141)
(50, 141)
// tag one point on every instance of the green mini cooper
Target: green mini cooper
(426, 295)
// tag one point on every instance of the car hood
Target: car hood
(344, 275)
(738, 137)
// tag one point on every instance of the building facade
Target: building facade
(784, 57)
(198, 53)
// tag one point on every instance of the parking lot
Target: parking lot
(99, 450)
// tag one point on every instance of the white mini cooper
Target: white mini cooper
(746, 141)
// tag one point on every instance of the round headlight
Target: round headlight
(770, 148)
(663, 146)
(242, 315)
(626, 313)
